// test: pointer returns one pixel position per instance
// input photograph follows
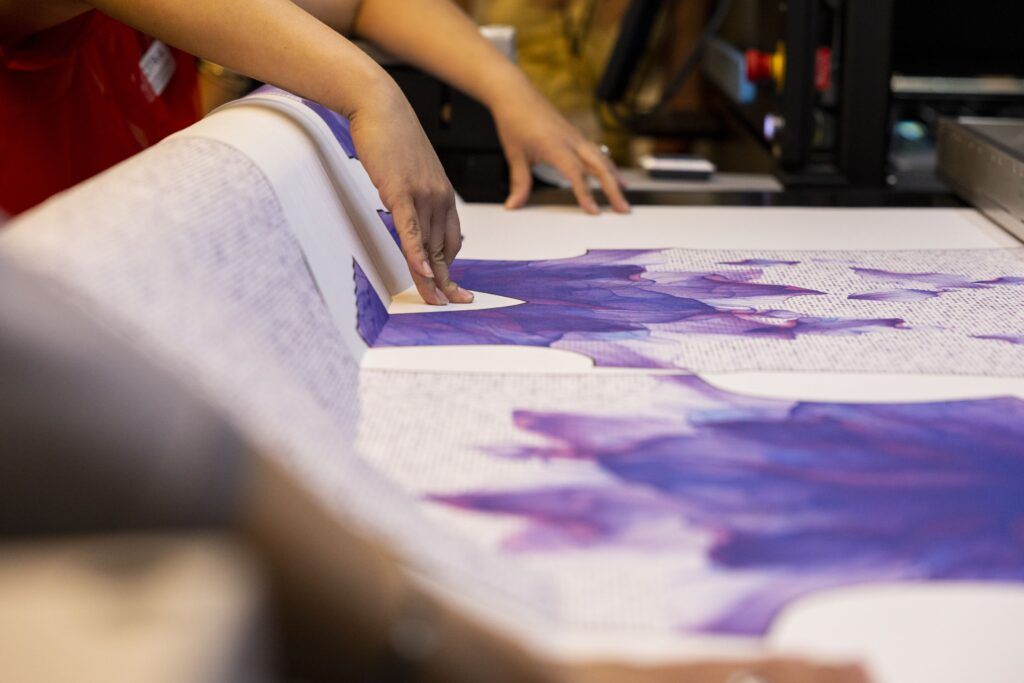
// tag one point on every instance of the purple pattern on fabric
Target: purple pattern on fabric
(942, 282)
(896, 295)
(338, 124)
(371, 315)
(758, 262)
(1004, 280)
(1009, 338)
(389, 222)
(614, 297)
(801, 495)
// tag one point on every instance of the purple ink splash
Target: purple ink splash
(614, 298)
(938, 280)
(801, 496)
(1008, 338)
(941, 282)
(389, 223)
(758, 262)
(371, 315)
(1004, 280)
(896, 295)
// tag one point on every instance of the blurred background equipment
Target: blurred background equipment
(983, 160)
(840, 93)
(803, 95)
(949, 60)
(826, 94)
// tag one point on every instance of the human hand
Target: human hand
(414, 188)
(532, 131)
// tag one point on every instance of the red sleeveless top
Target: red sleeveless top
(81, 96)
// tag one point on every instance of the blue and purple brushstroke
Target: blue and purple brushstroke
(370, 311)
(759, 262)
(909, 285)
(614, 297)
(801, 495)
(1015, 339)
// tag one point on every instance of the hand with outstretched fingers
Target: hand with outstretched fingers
(533, 131)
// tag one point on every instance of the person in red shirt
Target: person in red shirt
(85, 84)
(74, 101)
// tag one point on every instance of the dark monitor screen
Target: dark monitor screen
(958, 38)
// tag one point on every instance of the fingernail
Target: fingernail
(425, 269)
(441, 298)
(467, 296)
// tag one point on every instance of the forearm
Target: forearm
(275, 41)
(338, 14)
(438, 37)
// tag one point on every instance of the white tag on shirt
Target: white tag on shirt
(157, 65)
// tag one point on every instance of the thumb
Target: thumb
(520, 181)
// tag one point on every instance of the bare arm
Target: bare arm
(219, 31)
(279, 42)
(338, 14)
(436, 36)
(275, 41)
(293, 38)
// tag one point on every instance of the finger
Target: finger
(444, 283)
(452, 234)
(435, 250)
(520, 180)
(439, 261)
(407, 222)
(571, 167)
(452, 245)
(432, 237)
(604, 170)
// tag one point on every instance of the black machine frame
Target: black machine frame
(839, 138)
(866, 76)
(853, 149)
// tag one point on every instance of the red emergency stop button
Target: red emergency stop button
(759, 66)
(823, 69)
